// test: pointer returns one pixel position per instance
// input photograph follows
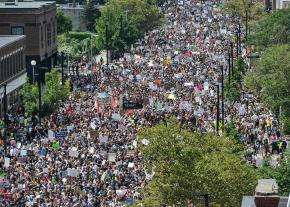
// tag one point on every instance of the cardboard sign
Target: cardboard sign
(6, 162)
(45, 170)
(73, 153)
(130, 165)
(4, 184)
(23, 153)
(72, 172)
(112, 157)
(21, 160)
(50, 134)
(116, 117)
(103, 139)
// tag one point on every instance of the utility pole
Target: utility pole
(237, 42)
(247, 24)
(223, 110)
(229, 67)
(5, 119)
(39, 94)
(62, 73)
(232, 58)
(91, 52)
(107, 45)
(206, 200)
(240, 39)
(218, 110)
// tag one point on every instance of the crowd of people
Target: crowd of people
(85, 154)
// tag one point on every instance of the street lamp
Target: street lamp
(33, 63)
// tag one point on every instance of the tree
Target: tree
(275, 29)
(256, 10)
(127, 21)
(29, 93)
(186, 163)
(54, 93)
(270, 78)
(281, 173)
(64, 23)
(91, 15)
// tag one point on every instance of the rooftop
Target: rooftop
(24, 5)
(8, 39)
(248, 201)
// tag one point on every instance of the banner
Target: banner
(132, 105)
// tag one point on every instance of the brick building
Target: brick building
(12, 67)
(36, 20)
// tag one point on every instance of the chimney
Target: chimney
(266, 194)
(16, 2)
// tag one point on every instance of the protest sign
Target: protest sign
(50, 134)
(132, 105)
(23, 153)
(6, 162)
(61, 134)
(111, 157)
(116, 117)
(73, 153)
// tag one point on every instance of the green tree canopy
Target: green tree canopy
(29, 93)
(64, 23)
(274, 29)
(270, 77)
(127, 21)
(53, 93)
(281, 173)
(186, 163)
(91, 15)
(256, 10)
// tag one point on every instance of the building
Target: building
(266, 195)
(76, 13)
(281, 4)
(12, 67)
(36, 20)
(277, 4)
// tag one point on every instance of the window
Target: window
(17, 30)
(49, 34)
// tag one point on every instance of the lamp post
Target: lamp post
(237, 42)
(218, 109)
(232, 58)
(62, 73)
(240, 39)
(229, 67)
(223, 110)
(33, 63)
(107, 45)
(5, 119)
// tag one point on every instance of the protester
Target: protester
(85, 154)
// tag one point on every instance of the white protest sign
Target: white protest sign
(23, 153)
(111, 157)
(50, 134)
(116, 117)
(121, 193)
(131, 165)
(7, 162)
(72, 172)
(103, 139)
(73, 153)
